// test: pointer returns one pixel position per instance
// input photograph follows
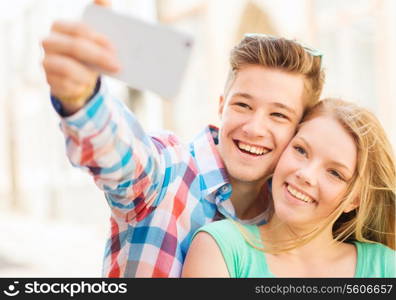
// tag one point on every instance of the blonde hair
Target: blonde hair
(279, 53)
(373, 185)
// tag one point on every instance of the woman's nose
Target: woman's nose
(307, 175)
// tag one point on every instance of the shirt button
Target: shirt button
(225, 189)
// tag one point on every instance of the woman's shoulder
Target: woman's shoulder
(225, 223)
(375, 249)
(226, 228)
(230, 237)
(375, 260)
(223, 229)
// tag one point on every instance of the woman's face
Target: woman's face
(312, 175)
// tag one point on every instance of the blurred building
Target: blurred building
(37, 183)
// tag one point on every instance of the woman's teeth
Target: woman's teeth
(299, 195)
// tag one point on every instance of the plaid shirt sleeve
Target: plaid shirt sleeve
(105, 139)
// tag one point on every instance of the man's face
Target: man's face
(258, 118)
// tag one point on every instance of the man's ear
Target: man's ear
(221, 105)
(351, 206)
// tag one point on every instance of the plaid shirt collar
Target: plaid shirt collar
(214, 178)
(215, 183)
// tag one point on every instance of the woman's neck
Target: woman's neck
(320, 257)
(277, 232)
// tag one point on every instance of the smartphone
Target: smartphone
(152, 56)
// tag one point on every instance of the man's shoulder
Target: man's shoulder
(166, 138)
(199, 156)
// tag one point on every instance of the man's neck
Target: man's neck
(249, 199)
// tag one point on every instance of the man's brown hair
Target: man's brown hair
(283, 54)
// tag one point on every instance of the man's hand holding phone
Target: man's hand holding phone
(153, 57)
(74, 56)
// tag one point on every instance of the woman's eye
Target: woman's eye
(279, 115)
(300, 150)
(336, 174)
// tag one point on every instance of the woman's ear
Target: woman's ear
(353, 205)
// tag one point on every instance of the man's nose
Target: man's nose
(256, 125)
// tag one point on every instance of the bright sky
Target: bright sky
(10, 9)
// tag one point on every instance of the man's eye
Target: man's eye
(300, 150)
(241, 104)
(279, 115)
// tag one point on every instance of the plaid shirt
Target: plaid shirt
(159, 190)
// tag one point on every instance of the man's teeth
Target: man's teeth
(252, 149)
(299, 195)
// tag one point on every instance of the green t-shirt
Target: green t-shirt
(243, 260)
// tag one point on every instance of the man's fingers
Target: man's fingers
(83, 31)
(81, 50)
(103, 2)
(66, 67)
(62, 87)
